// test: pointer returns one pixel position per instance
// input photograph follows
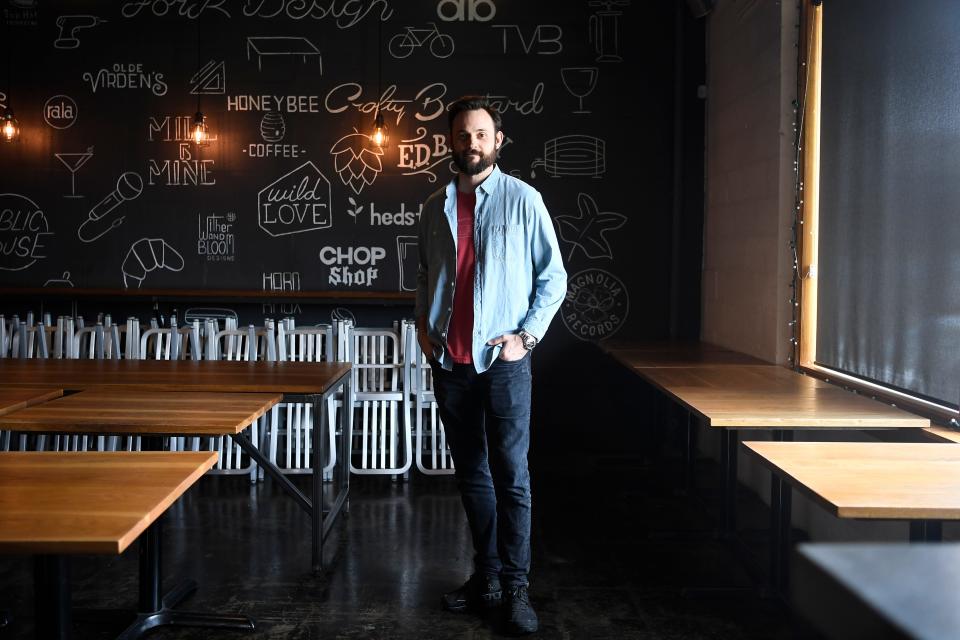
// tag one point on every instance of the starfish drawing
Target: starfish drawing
(587, 231)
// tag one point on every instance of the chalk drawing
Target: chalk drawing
(126, 75)
(572, 155)
(296, 202)
(344, 315)
(596, 304)
(587, 231)
(191, 9)
(99, 222)
(21, 13)
(272, 127)
(146, 255)
(205, 313)
(404, 43)
(545, 39)
(216, 240)
(346, 13)
(23, 228)
(69, 26)
(580, 82)
(404, 217)
(353, 209)
(409, 262)
(352, 266)
(73, 162)
(428, 101)
(60, 112)
(604, 29)
(211, 79)
(466, 10)
(62, 281)
(357, 160)
(281, 46)
(281, 103)
(506, 104)
(420, 155)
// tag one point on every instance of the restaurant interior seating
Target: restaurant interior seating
(396, 425)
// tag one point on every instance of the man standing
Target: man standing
(489, 282)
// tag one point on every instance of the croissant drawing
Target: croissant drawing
(148, 254)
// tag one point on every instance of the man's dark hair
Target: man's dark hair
(472, 103)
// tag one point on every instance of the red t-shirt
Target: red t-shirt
(460, 333)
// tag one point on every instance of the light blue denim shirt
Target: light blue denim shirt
(520, 281)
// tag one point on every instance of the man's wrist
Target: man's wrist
(529, 341)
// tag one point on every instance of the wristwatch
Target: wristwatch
(529, 342)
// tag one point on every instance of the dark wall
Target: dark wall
(291, 195)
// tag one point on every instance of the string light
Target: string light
(201, 132)
(201, 137)
(11, 128)
(379, 135)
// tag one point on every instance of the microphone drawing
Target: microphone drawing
(145, 255)
(129, 187)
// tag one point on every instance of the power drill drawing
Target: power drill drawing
(69, 25)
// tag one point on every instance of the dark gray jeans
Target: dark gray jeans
(486, 417)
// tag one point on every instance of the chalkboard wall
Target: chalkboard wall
(105, 188)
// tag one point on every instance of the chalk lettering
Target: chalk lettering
(347, 13)
(191, 9)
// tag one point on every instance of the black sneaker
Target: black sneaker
(479, 593)
(521, 619)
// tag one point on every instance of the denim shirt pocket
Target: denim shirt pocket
(505, 238)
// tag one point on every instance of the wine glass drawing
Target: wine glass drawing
(73, 162)
(580, 82)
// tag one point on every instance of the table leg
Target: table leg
(926, 530)
(780, 524)
(728, 453)
(323, 518)
(319, 452)
(690, 457)
(155, 610)
(52, 596)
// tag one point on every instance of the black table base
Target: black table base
(54, 618)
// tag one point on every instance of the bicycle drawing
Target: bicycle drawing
(403, 44)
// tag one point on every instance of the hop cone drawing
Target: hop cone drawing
(357, 160)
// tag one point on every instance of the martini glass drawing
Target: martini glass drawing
(73, 162)
(580, 82)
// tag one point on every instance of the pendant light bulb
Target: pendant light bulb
(10, 128)
(379, 136)
(200, 133)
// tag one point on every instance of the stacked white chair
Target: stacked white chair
(304, 344)
(432, 453)
(381, 434)
(168, 343)
(26, 341)
(248, 344)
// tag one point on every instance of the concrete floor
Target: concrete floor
(602, 566)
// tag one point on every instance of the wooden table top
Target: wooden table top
(127, 411)
(64, 503)
(16, 398)
(752, 397)
(175, 375)
(888, 590)
(877, 480)
(673, 353)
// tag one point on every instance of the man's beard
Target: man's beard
(472, 165)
